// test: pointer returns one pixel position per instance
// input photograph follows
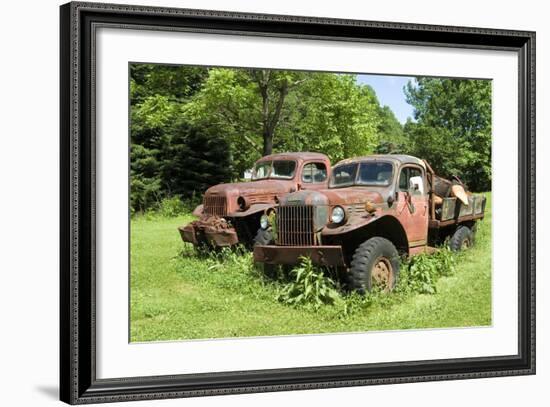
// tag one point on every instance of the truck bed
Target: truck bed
(453, 211)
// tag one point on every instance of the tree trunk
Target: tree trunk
(266, 131)
(270, 118)
(268, 143)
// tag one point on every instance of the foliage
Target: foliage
(176, 293)
(420, 273)
(390, 132)
(453, 127)
(237, 256)
(176, 83)
(193, 127)
(333, 115)
(322, 112)
(168, 156)
(309, 286)
(171, 207)
(193, 160)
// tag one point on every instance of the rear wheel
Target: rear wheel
(462, 239)
(375, 263)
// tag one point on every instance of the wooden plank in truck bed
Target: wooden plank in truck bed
(453, 211)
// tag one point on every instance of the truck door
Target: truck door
(314, 176)
(413, 205)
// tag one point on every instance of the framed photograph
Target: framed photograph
(255, 203)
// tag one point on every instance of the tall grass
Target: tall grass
(179, 293)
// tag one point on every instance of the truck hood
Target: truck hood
(253, 192)
(342, 196)
(261, 187)
(351, 196)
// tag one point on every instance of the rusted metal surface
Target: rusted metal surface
(382, 274)
(397, 158)
(435, 223)
(295, 225)
(403, 216)
(212, 230)
(241, 203)
(422, 249)
(257, 208)
(199, 210)
(321, 255)
(215, 205)
(454, 211)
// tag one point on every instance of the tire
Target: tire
(462, 239)
(265, 237)
(375, 262)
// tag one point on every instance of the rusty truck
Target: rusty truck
(375, 210)
(230, 212)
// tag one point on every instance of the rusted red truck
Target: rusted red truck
(230, 213)
(375, 210)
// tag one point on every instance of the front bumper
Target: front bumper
(209, 231)
(331, 256)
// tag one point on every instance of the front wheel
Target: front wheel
(375, 263)
(265, 237)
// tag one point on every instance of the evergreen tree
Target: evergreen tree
(193, 161)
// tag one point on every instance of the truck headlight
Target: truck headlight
(243, 205)
(264, 222)
(338, 214)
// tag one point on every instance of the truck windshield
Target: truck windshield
(374, 173)
(278, 169)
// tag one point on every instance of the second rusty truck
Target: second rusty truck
(230, 212)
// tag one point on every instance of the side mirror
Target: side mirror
(416, 185)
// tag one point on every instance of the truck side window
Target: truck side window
(406, 174)
(314, 172)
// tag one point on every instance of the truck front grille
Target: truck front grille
(215, 205)
(295, 225)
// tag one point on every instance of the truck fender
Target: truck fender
(387, 226)
(199, 210)
(254, 208)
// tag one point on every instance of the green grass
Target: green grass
(176, 294)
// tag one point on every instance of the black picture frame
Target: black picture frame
(78, 382)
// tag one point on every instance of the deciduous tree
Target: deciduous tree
(453, 127)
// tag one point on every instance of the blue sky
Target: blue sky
(389, 90)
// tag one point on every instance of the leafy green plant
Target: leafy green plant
(309, 287)
(354, 303)
(421, 272)
(237, 258)
(272, 216)
(171, 207)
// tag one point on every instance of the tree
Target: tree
(263, 111)
(175, 82)
(273, 87)
(150, 121)
(157, 94)
(193, 161)
(390, 131)
(193, 127)
(453, 127)
(331, 114)
(244, 105)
